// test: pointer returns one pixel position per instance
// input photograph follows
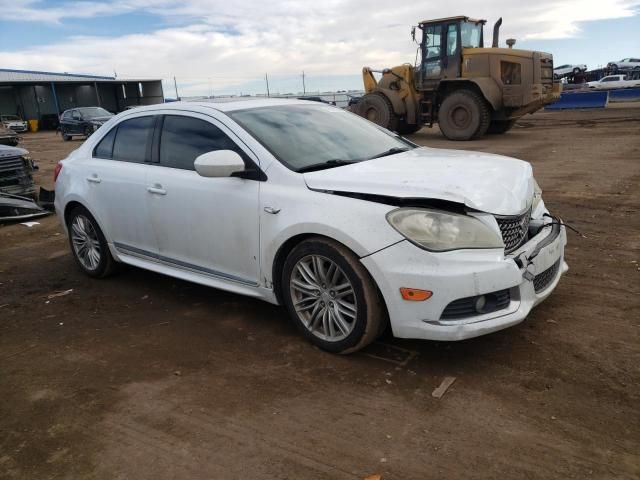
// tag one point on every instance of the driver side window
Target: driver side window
(185, 138)
(76, 115)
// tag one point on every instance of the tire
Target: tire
(65, 137)
(326, 316)
(500, 126)
(404, 129)
(83, 228)
(464, 115)
(87, 132)
(377, 108)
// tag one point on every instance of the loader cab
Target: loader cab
(441, 48)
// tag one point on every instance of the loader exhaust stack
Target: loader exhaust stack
(496, 33)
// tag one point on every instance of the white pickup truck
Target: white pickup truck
(613, 81)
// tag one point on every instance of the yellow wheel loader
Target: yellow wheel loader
(469, 90)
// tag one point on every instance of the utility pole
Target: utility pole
(266, 79)
(304, 88)
(175, 84)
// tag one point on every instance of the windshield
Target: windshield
(471, 35)
(302, 136)
(94, 112)
(9, 118)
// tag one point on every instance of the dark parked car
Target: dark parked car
(82, 121)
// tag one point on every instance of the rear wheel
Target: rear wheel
(500, 126)
(88, 244)
(464, 115)
(331, 297)
(377, 108)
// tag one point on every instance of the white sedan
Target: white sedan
(348, 225)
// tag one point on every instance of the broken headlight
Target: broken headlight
(537, 195)
(441, 231)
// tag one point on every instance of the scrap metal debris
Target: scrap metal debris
(14, 208)
(60, 294)
(444, 386)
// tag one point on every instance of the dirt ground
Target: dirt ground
(143, 376)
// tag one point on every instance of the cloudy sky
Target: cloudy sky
(226, 47)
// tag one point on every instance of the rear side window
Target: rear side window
(133, 140)
(185, 138)
(104, 149)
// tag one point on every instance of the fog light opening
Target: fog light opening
(480, 303)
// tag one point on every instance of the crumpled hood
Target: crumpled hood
(481, 181)
(7, 151)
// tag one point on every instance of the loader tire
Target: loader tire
(377, 108)
(500, 126)
(464, 115)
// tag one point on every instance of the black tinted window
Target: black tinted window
(104, 149)
(132, 139)
(185, 138)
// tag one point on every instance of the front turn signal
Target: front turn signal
(415, 295)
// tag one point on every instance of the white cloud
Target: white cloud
(216, 44)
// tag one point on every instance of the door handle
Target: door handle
(94, 179)
(157, 189)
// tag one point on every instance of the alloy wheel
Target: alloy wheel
(323, 297)
(86, 244)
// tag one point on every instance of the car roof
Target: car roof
(226, 104)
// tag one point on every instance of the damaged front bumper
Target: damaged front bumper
(15, 208)
(506, 287)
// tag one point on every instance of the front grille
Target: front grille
(15, 177)
(466, 307)
(514, 230)
(546, 71)
(544, 279)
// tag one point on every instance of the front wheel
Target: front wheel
(377, 108)
(331, 297)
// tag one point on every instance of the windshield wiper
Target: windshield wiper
(323, 165)
(391, 151)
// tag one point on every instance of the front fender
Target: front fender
(359, 225)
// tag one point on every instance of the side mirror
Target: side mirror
(413, 33)
(220, 163)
